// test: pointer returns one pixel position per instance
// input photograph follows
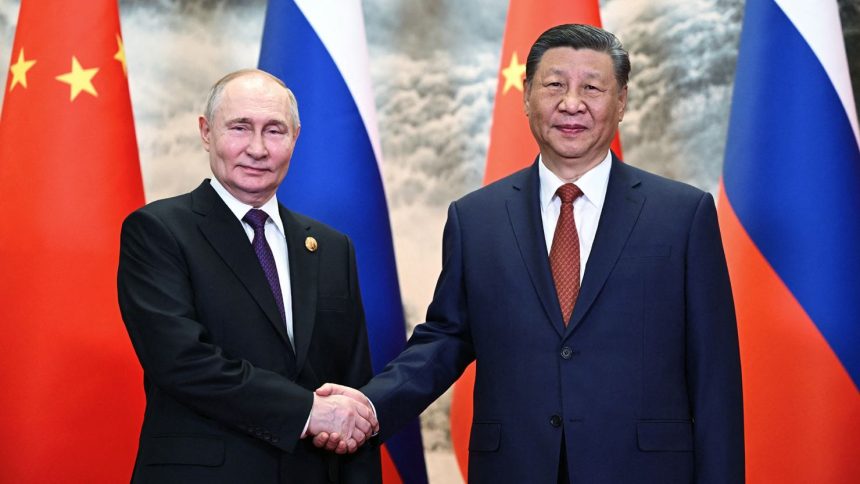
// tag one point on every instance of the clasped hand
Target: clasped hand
(341, 419)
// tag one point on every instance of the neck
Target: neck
(570, 170)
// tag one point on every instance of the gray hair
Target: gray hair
(213, 99)
(580, 36)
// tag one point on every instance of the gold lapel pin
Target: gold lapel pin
(311, 244)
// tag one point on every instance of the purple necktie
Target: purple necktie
(256, 218)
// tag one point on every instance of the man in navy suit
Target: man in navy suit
(238, 308)
(594, 298)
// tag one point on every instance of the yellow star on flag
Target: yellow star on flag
(19, 70)
(79, 79)
(120, 54)
(513, 74)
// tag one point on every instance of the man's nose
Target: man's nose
(256, 147)
(571, 102)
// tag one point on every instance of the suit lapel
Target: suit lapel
(524, 212)
(304, 272)
(620, 211)
(224, 232)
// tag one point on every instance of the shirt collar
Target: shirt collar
(593, 183)
(239, 209)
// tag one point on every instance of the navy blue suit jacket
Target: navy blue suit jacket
(643, 383)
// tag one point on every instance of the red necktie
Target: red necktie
(564, 254)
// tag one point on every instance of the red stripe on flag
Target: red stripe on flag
(801, 409)
(390, 474)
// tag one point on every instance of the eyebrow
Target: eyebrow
(277, 122)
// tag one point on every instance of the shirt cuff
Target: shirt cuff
(305, 430)
(373, 407)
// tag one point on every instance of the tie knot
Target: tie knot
(256, 218)
(568, 192)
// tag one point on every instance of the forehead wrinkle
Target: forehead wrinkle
(586, 72)
(247, 120)
(254, 92)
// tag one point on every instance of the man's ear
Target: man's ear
(526, 89)
(205, 132)
(622, 103)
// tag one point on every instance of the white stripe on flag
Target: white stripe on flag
(819, 24)
(340, 26)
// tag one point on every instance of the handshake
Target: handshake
(341, 419)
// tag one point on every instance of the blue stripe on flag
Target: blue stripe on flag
(334, 177)
(792, 172)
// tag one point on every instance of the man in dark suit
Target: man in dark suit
(239, 308)
(594, 298)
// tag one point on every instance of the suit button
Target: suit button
(566, 352)
(555, 421)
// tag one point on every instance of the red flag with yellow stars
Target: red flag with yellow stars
(512, 146)
(69, 173)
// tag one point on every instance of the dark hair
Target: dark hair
(580, 36)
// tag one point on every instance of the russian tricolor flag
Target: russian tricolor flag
(790, 216)
(318, 48)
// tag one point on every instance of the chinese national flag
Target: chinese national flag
(512, 146)
(69, 173)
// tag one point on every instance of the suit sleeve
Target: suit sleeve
(364, 466)
(713, 361)
(157, 303)
(439, 349)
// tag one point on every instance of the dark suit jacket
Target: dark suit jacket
(643, 384)
(226, 395)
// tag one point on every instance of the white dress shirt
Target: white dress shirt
(275, 236)
(586, 209)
